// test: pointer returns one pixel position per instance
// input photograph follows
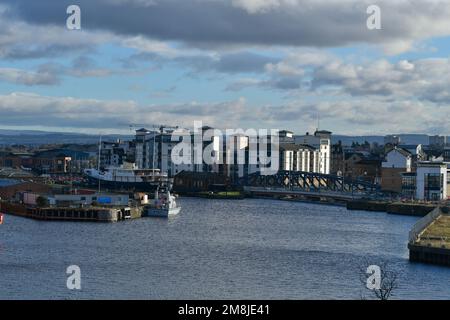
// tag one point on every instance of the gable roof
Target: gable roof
(402, 151)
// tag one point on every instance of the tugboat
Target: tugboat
(163, 206)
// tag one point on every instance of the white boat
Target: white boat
(127, 177)
(164, 205)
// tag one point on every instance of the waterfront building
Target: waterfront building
(295, 153)
(409, 185)
(397, 161)
(446, 154)
(368, 169)
(321, 141)
(337, 159)
(51, 164)
(188, 182)
(417, 152)
(286, 136)
(296, 157)
(432, 181)
(231, 154)
(153, 150)
(236, 157)
(114, 154)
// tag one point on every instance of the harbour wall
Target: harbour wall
(93, 214)
(421, 249)
(432, 255)
(419, 210)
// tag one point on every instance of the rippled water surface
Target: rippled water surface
(215, 249)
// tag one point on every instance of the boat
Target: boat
(126, 178)
(164, 205)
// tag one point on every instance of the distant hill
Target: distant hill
(32, 137)
(348, 140)
(405, 139)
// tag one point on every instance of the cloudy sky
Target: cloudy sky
(230, 63)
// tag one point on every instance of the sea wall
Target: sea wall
(63, 214)
(392, 208)
(433, 255)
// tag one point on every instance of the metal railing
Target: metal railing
(423, 223)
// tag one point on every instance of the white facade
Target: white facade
(398, 159)
(231, 154)
(321, 158)
(154, 151)
(431, 181)
(288, 160)
(236, 155)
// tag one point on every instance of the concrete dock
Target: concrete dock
(429, 239)
(93, 214)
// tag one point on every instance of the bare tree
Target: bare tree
(386, 283)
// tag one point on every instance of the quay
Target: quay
(401, 208)
(355, 201)
(280, 192)
(93, 214)
(429, 239)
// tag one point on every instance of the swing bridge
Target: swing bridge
(309, 184)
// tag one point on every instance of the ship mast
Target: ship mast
(98, 163)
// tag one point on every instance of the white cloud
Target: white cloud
(27, 78)
(350, 116)
(257, 6)
(30, 109)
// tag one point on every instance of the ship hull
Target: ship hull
(161, 213)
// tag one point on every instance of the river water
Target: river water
(215, 249)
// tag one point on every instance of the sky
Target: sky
(284, 64)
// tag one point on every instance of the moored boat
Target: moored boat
(164, 205)
(126, 178)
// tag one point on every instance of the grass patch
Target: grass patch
(438, 233)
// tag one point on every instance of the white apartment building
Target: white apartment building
(432, 181)
(114, 154)
(154, 150)
(321, 141)
(231, 155)
(295, 157)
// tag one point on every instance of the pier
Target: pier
(429, 239)
(92, 214)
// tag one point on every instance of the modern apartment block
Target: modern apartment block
(320, 142)
(114, 154)
(235, 155)
(154, 150)
(430, 182)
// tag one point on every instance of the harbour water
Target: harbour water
(215, 249)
